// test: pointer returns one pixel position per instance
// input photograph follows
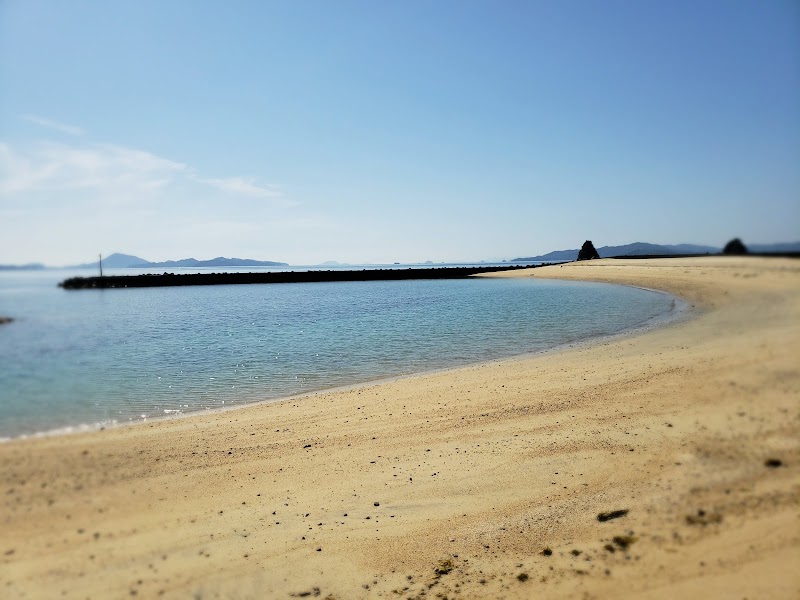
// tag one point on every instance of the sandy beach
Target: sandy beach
(481, 482)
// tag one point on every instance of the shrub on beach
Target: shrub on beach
(735, 246)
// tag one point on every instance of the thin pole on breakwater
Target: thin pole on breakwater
(100, 262)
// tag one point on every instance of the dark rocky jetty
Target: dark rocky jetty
(588, 251)
(171, 279)
(735, 246)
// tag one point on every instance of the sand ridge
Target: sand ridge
(479, 482)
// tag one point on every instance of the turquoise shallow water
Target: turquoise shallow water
(112, 356)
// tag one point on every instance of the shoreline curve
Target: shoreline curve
(677, 312)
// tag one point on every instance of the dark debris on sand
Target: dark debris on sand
(614, 514)
(703, 518)
(443, 567)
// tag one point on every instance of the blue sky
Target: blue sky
(394, 131)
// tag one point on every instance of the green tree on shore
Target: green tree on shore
(735, 246)
(588, 251)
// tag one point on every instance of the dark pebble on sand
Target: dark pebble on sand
(773, 463)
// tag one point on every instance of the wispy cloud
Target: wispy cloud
(52, 166)
(246, 186)
(113, 172)
(54, 125)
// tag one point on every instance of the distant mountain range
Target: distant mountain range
(127, 261)
(775, 248)
(643, 248)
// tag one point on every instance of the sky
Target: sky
(444, 130)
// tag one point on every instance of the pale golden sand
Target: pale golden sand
(485, 467)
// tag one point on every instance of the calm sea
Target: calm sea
(95, 357)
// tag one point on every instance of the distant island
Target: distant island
(332, 263)
(28, 267)
(645, 249)
(127, 261)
